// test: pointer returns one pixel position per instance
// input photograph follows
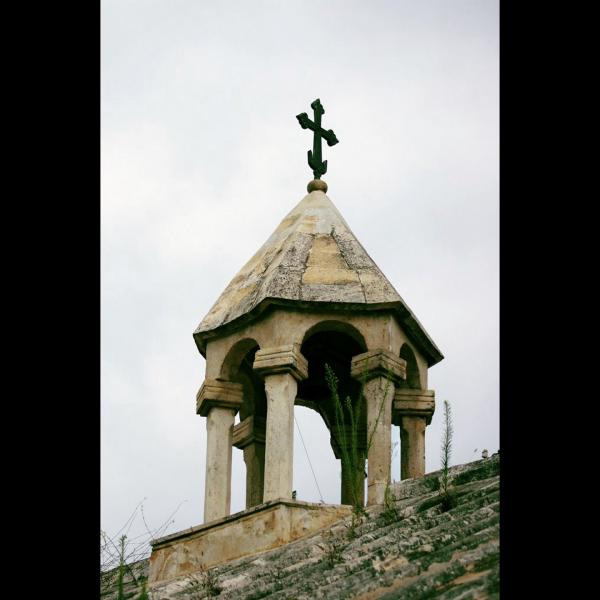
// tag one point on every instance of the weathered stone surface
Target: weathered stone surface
(416, 403)
(378, 363)
(281, 390)
(351, 292)
(415, 551)
(267, 526)
(312, 256)
(249, 431)
(249, 435)
(326, 265)
(217, 483)
(281, 359)
(412, 442)
(379, 393)
(212, 392)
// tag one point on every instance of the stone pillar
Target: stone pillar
(218, 401)
(379, 371)
(282, 367)
(249, 436)
(412, 411)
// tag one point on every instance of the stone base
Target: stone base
(245, 533)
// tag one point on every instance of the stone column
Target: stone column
(218, 401)
(282, 367)
(412, 411)
(249, 435)
(379, 371)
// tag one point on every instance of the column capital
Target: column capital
(413, 403)
(378, 363)
(251, 430)
(281, 359)
(217, 392)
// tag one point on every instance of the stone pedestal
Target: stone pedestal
(412, 411)
(282, 367)
(246, 533)
(378, 370)
(218, 401)
(249, 436)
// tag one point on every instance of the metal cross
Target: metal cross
(314, 158)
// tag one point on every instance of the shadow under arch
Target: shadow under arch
(339, 327)
(333, 343)
(413, 379)
(237, 367)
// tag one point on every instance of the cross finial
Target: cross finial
(318, 166)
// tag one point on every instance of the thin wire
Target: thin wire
(309, 463)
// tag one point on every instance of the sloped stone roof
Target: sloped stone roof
(134, 577)
(312, 257)
(418, 550)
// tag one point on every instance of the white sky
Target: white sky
(202, 157)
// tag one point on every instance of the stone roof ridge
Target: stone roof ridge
(313, 255)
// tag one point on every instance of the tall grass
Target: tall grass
(447, 498)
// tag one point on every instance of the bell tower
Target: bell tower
(310, 296)
(310, 307)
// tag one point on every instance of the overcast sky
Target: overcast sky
(202, 157)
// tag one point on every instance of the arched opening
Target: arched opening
(339, 327)
(249, 429)
(316, 470)
(413, 380)
(335, 343)
(237, 367)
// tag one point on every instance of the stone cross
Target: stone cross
(318, 166)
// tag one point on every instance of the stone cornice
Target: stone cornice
(413, 403)
(401, 313)
(215, 392)
(378, 363)
(250, 430)
(281, 359)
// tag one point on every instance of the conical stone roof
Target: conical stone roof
(312, 257)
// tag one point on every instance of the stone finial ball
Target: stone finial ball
(317, 185)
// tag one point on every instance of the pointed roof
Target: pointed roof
(312, 257)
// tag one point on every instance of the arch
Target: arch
(413, 379)
(237, 366)
(339, 327)
(235, 356)
(313, 460)
(334, 343)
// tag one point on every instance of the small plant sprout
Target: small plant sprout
(333, 550)
(389, 513)
(122, 567)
